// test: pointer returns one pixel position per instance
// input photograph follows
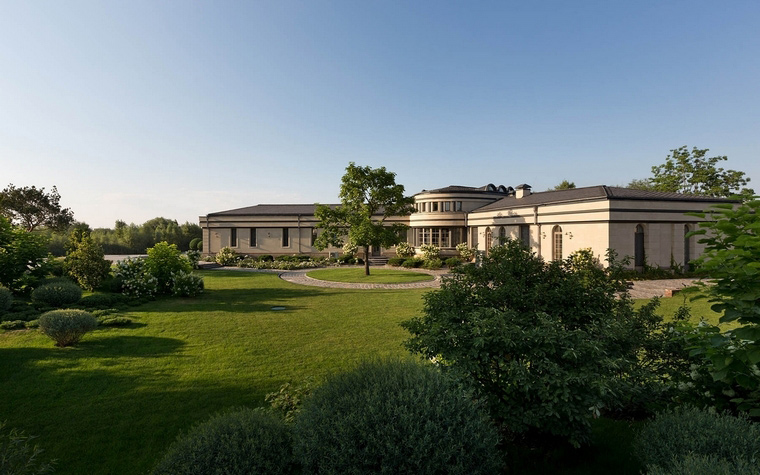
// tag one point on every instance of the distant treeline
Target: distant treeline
(131, 238)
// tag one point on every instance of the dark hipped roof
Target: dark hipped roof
(463, 189)
(595, 193)
(269, 210)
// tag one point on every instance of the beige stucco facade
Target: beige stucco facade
(649, 227)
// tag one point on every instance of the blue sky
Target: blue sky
(177, 109)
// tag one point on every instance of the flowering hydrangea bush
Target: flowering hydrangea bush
(186, 284)
(350, 249)
(429, 251)
(465, 251)
(252, 263)
(193, 256)
(226, 257)
(135, 281)
(404, 249)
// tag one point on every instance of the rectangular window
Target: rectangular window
(459, 206)
(426, 236)
(233, 237)
(436, 237)
(525, 234)
(435, 206)
(313, 235)
(418, 237)
(447, 206)
(445, 241)
(285, 237)
(252, 242)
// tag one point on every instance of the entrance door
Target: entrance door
(376, 251)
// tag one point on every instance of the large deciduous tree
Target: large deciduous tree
(369, 196)
(692, 172)
(31, 207)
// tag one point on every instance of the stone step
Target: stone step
(378, 261)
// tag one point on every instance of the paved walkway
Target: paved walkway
(642, 289)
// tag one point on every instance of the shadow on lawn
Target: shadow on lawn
(235, 300)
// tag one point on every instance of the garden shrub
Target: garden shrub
(196, 244)
(266, 257)
(697, 464)
(241, 441)
(453, 262)
(33, 323)
(66, 327)
(404, 249)
(6, 299)
(465, 251)
(109, 321)
(163, 261)
(18, 455)
(430, 251)
(85, 262)
(226, 257)
(674, 434)
(289, 398)
(393, 417)
(101, 301)
(413, 262)
(432, 264)
(396, 261)
(57, 294)
(546, 351)
(194, 257)
(350, 249)
(135, 280)
(13, 325)
(23, 256)
(186, 284)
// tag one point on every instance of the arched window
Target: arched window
(639, 253)
(686, 247)
(489, 240)
(556, 243)
(502, 235)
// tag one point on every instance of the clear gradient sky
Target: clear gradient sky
(152, 108)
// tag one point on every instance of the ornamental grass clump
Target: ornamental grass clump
(394, 417)
(66, 327)
(242, 441)
(58, 293)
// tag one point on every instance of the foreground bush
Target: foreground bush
(18, 455)
(57, 294)
(667, 440)
(243, 441)
(66, 327)
(6, 299)
(395, 417)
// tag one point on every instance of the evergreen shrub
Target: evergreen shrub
(6, 299)
(13, 325)
(396, 261)
(433, 264)
(394, 417)
(413, 262)
(453, 262)
(57, 294)
(196, 244)
(242, 441)
(66, 327)
(672, 435)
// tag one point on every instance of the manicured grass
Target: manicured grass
(114, 402)
(696, 301)
(377, 276)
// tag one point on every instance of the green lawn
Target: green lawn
(697, 303)
(377, 276)
(114, 403)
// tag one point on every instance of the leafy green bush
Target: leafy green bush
(432, 264)
(85, 262)
(18, 455)
(289, 398)
(696, 464)
(57, 294)
(135, 279)
(162, 262)
(196, 244)
(242, 441)
(393, 417)
(13, 325)
(453, 262)
(266, 257)
(186, 284)
(193, 256)
(226, 257)
(6, 299)
(101, 301)
(33, 324)
(674, 434)
(542, 348)
(413, 262)
(22, 256)
(404, 249)
(66, 327)
(396, 261)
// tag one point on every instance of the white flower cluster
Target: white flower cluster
(136, 282)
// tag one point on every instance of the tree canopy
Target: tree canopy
(31, 207)
(369, 196)
(564, 185)
(692, 172)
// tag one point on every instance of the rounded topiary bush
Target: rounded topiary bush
(393, 417)
(6, 299)
(240, 441)
(57, 294)
(66, 327)
(672, 435)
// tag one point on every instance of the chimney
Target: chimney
(522, 190)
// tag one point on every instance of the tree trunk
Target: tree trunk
(366, 260)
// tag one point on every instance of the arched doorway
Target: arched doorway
(639, 254)
(556, 243)
(502, 235)
(686, 247)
